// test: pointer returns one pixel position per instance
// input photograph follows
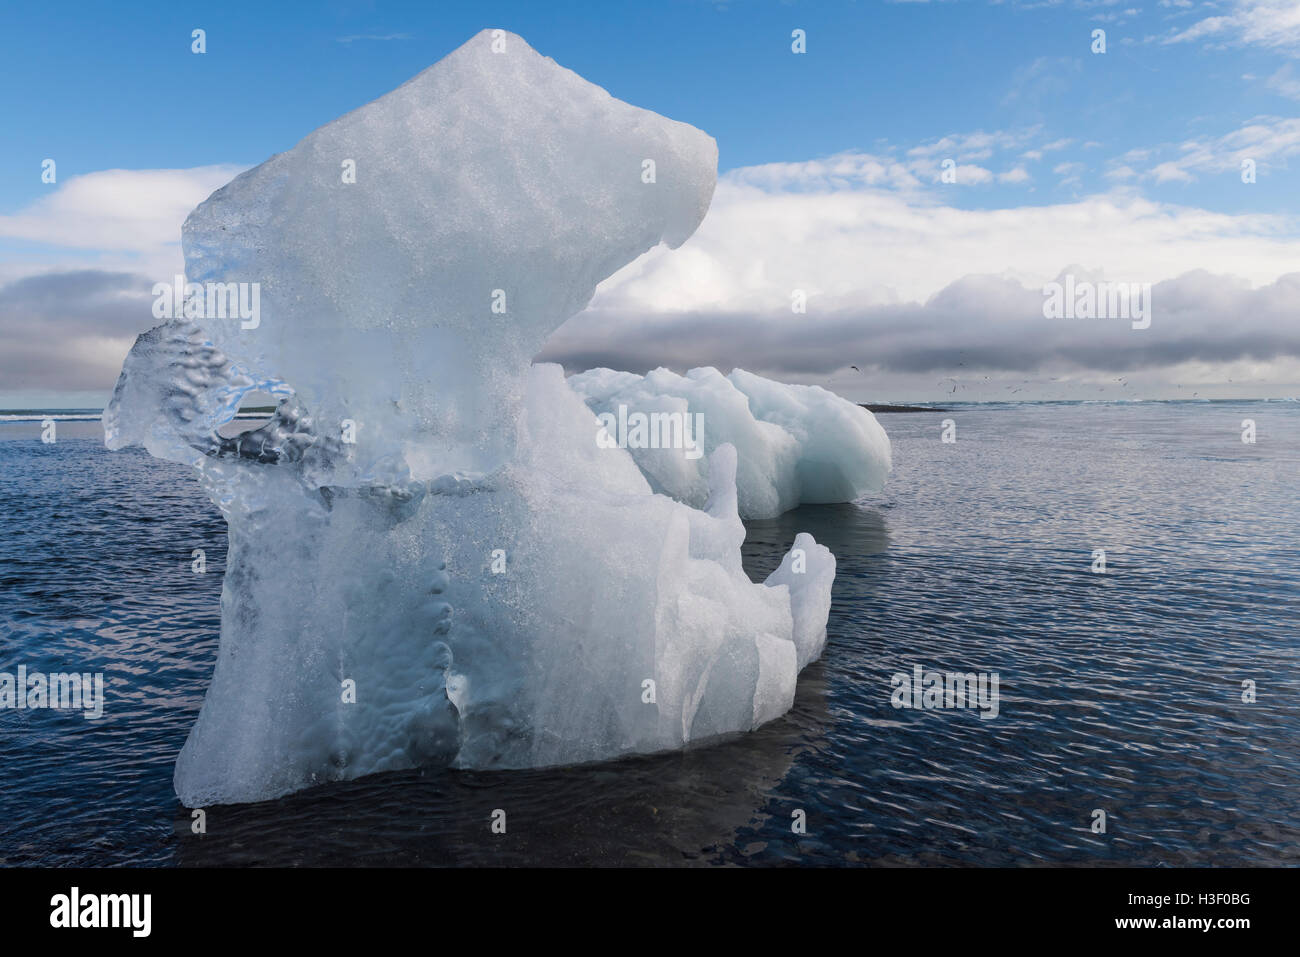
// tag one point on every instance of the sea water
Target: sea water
(1119, 691)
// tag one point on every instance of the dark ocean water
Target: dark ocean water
(1120, 692)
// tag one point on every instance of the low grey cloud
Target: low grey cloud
(980, 322)
(895, 281)
(70, 330)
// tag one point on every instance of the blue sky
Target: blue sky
(1148, 134)
(97, 89)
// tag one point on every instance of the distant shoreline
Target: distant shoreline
(10, 416)
(902, 408)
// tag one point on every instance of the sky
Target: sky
(1066, 163)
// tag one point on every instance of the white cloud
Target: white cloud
(985, 330)
(1267, 140)
(118, 218)
(968, 174)
(886, 261)
(1285, 82)
(903, 284)
(862, 246)
(979, 141)
(1171, 173)
(842, 170)
(1274, 24)
(917, 169)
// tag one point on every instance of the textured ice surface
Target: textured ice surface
(428, 519)
(797, 444)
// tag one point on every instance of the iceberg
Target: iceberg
(432, 561)
(797, 444)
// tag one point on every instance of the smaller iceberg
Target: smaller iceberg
(795, 444)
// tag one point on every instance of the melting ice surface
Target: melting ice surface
(427, 518)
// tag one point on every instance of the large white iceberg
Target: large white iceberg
(797, 444)
(431, 559)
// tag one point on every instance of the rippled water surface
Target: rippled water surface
(1120, 692)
